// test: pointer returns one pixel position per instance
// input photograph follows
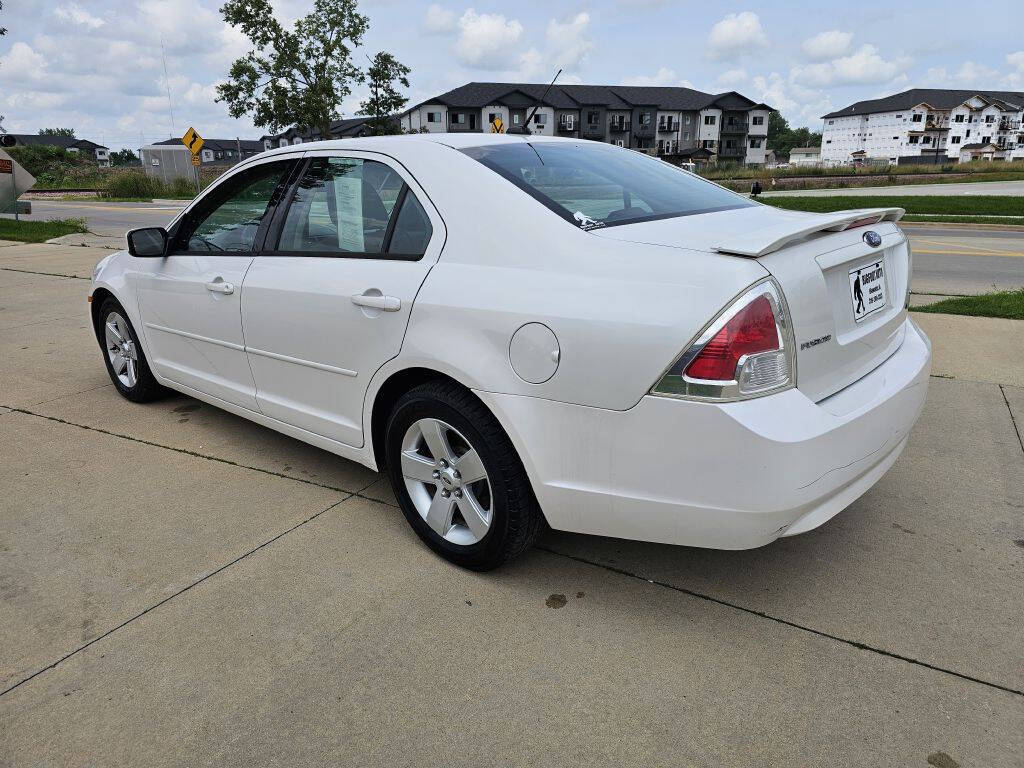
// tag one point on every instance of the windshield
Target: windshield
(597, 185)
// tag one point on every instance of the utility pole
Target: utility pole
(238, 146)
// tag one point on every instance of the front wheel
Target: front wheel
(126, 362)
(458, 478)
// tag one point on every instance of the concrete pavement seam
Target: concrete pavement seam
(45, 274)
(761, 614)
(176, 594)
(1016, 428)
(185, 451)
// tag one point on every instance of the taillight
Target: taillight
(746, 351)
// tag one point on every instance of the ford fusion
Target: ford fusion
(525, 330)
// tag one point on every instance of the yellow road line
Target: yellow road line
(949, 252)
(947, 244)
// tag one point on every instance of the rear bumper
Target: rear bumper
(729, 476)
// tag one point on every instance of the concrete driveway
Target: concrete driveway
(181, 587)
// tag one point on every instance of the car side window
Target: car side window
(412, 228)
(341, 204)
(230, 218)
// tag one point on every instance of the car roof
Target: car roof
(407, 142)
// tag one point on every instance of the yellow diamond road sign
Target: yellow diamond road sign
(193, 141)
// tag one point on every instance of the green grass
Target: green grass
(956, 205)
(39, 231)
(989, 170)
(964, 219)
(1008, 304)
(104, 199)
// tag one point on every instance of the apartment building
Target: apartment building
(98, 152)
(219, 151)
(927, 125)
(677, 124)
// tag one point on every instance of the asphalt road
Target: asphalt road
(179, 586)
(966, 261)
(968, 188)
(106, 218)
(953, 261)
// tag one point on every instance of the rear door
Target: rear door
(327, 300)
(190, 300)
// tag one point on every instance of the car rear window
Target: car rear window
(596, 185)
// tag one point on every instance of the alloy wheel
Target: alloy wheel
(447, 482)
(121, 350)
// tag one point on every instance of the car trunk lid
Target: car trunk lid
(841, 333)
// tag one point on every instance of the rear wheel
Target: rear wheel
(123, 355)
(458, 478)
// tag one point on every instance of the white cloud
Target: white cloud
(663, 76)
(439, 20)
(76, 14)
(735, 35)
(828, 45)
(732, 77)
(21, 64)
(569, 41)
(802, 105)
(486, 38)
(970, 74)
(1015, 80)
(865, 67)
(531, 65)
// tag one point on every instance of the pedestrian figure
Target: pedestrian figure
(858, 294)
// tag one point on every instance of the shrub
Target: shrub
(131, 184)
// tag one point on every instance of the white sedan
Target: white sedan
(523, 329)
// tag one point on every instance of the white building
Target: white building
(927, 125)
(805, 156)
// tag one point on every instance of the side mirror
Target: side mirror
(7, 140)
(150, 242)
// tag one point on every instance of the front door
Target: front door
(327, 301)
(190, 301)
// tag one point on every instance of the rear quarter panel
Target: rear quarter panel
(621, 312)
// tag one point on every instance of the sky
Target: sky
(98, 66)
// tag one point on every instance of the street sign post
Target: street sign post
(193, 141)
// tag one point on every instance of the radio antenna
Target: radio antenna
(167, 83)
(529, 117)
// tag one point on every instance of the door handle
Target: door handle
(219, 286)
(376, 301)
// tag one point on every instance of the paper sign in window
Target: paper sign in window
(348, 198)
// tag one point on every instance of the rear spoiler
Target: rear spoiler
(762, 241)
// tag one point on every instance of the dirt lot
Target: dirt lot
(181, 587)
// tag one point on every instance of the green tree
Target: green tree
(124, 157)
(65, 132)
(384, 75)
(297, 76)
(782, 138)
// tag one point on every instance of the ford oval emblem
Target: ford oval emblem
(872, 238)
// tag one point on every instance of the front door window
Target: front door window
(228, 220)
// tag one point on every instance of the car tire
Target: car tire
(491, 520)
(132, 377)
